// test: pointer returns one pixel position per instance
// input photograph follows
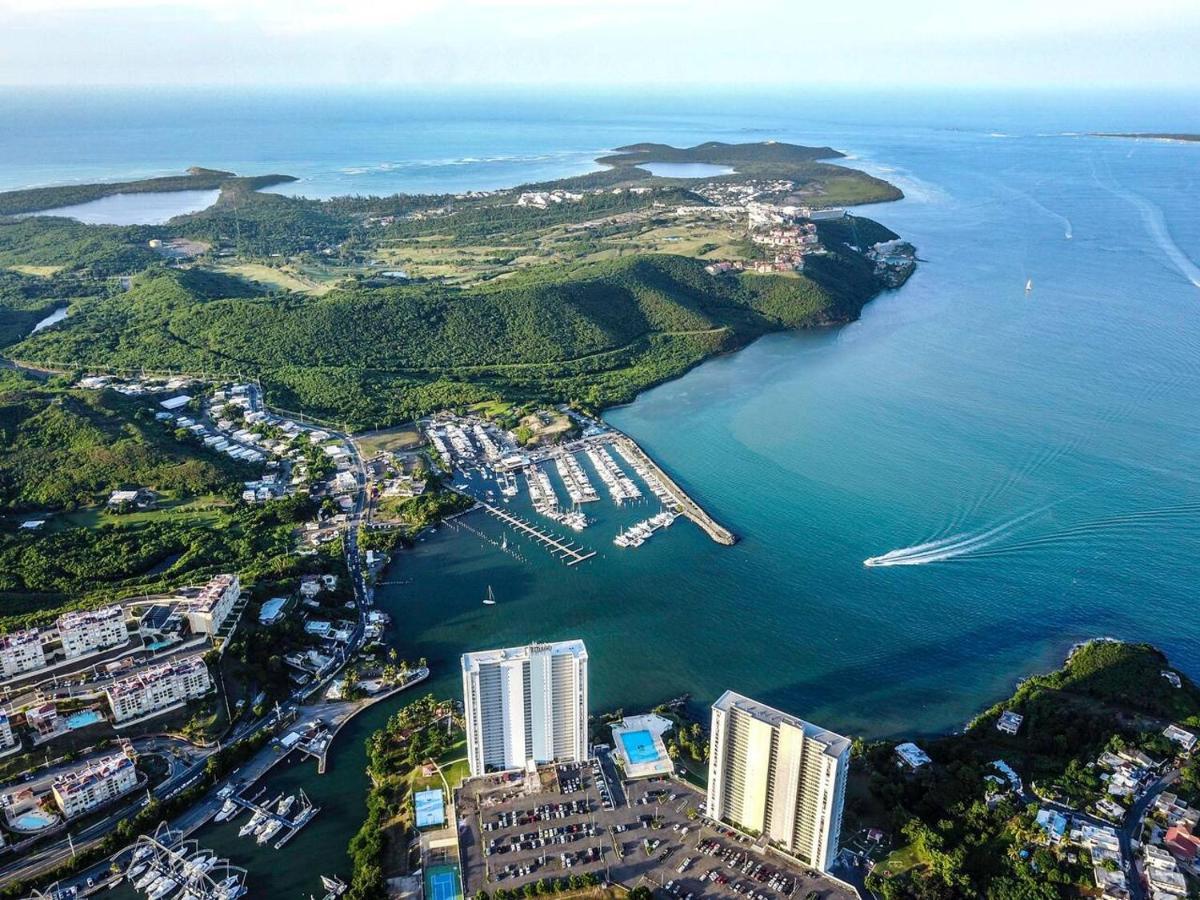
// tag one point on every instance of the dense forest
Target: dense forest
(593, 333)
(63, 449)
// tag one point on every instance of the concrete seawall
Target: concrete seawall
(687, 505)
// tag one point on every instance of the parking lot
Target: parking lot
(570, 821)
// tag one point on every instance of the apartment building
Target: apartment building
(95, 784)
(206, 612)
(91, 630)
(21, 651)
(7, 738)
(526, 704)
(155, 689)
(774, 774)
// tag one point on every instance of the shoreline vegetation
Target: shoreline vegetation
(1148, 136)
(45, 200)
(584, 290)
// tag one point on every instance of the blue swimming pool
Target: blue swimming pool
(83, 718)
(639, 747)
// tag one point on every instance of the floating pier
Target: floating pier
(268, 815)
(567, 552)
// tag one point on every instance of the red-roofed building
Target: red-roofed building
(1182, 843)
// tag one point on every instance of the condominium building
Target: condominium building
(158, 688)
(91, 630)
(526, 704)
(21, 651)
(7, 738)
(773, 774)
(208, 610)
(85, 788)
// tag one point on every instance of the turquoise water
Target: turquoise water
(1031, 458)
(34, 821)
(84, 718)
(639, 746)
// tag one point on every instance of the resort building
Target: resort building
(158, 688)
(91, 630)
(206, 613)
(7, 738)
(92, 785)
(21, 651)
(526, 704)
(776, 775)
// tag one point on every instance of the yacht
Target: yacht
(227, 811)
(253, 825)
(286, 804)
(164, 889)
(273, 828)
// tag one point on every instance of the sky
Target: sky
(875, 43)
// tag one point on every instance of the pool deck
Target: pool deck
(656, 727)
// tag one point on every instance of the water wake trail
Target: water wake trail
(987, 544)
(1156, 226)
(951, 547)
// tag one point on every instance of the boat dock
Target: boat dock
(270, 819)
(567, 552)
(639, 459)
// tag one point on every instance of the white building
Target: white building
(157, 688)
(87, 631)
(779, 776)
(7, 738)
(209, 609)
(21, 651)
(92, 785)
(912, 755)
(526, 704)
(1009, 722)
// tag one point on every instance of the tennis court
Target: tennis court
(430, 808)
(441, 883)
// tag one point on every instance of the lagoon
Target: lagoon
(142, 208)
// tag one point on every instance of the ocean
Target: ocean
(1020, 467)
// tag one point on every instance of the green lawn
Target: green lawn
(195, 510)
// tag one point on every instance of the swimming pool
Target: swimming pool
(33, 820)
(84, 718)
(639, 747)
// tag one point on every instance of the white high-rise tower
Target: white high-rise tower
(526, 704)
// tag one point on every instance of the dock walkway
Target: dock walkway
(565, 551)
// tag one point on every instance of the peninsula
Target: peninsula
(373, 311)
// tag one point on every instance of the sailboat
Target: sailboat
(491, 598)
(1028, 285)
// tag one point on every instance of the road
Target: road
(1131, 830)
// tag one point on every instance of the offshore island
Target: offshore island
(220, 430)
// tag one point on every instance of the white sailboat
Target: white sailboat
(491, 598)
(1028, 285)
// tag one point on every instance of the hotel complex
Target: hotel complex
(779, 776)
(21, 651)
(85, 788)
(526, 704)
(158, 688)
(85, 632)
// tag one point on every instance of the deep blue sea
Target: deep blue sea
(1027, 463)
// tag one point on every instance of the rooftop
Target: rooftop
(834, 743)
(472, 661)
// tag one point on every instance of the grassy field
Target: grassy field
(288, 277)
(41, 271)
(196, 510)
(389, 440)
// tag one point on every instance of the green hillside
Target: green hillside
(65, 449)
(594, 333)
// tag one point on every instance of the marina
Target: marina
(161, 865)
(565, 551)
(620, 486)
(270, 819)
(641, 532)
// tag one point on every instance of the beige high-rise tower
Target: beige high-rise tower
(776, 775)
